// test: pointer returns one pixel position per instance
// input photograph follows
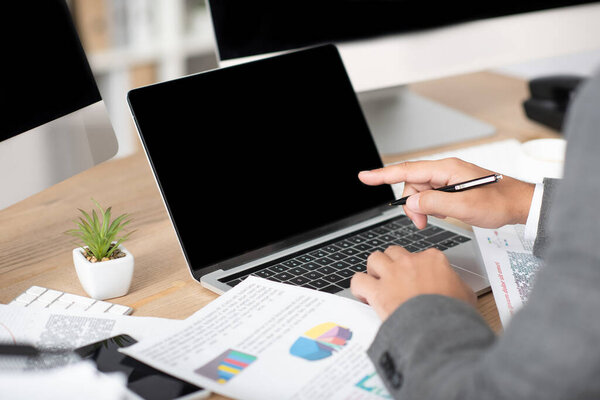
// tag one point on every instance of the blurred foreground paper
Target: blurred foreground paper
(75, 381)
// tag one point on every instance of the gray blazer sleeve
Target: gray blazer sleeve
(434, 347)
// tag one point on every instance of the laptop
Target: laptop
(257, 165)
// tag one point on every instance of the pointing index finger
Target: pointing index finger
(433, 172)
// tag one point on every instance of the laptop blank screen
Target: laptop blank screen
(252, 155)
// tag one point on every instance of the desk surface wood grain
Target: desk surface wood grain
(35, 251)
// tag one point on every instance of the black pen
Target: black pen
(458, 187)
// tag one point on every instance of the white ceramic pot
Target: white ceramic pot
(105, 279)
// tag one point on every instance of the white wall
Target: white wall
(579, 64)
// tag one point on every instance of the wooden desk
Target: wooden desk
(34, 250)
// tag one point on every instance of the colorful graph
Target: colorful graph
(321, 341)
(372, 384)
(226, 366)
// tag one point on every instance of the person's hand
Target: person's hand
(397, 275)
(490, 206)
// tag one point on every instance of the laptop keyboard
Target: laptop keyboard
(329, 267)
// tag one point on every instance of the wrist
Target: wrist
(525, 196)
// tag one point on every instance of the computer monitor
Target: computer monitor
(53, 122)
(386, 44)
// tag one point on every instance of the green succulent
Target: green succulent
(98, 233)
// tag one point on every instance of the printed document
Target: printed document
(267, 340)
(510, 264)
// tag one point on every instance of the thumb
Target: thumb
(433, 202)
(413, 203)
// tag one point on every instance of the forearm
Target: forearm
(418, 348)
(550, 348)
(444, 350)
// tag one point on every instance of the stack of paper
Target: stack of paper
(63, 375)
(266, 340)
(47, 329)
(259, 340)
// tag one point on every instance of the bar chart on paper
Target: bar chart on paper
(321, 341)
(226, 366)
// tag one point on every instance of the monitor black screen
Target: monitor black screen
(247, 28)
(252, 155)
(44, 74)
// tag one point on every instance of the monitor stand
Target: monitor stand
(402, 121)
(50, 153)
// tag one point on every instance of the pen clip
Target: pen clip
(478, 182)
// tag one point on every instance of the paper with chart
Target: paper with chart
(65, 330)
(264, 339)
(510, 265)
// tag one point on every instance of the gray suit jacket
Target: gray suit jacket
(435, 347)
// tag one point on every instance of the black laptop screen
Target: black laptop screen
(255, 154)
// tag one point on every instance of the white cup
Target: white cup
(542, 158)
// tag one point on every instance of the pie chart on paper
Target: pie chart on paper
(321, 341)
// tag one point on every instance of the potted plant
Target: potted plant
(103, 265)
